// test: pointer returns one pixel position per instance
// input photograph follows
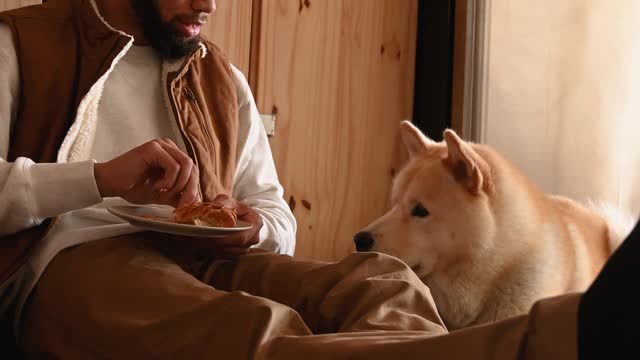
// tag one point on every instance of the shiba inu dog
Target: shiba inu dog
(483, 237)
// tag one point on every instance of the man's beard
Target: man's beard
(162, 36)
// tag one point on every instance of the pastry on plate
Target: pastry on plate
(213, 214)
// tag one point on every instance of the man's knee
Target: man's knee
(244, 308)
(373, 264)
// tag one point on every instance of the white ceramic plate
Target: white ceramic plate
(135, 216)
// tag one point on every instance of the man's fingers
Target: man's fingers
(169, 166)
(143, 194)
(221, 197)
(185, 165)
(227, 201)
(168, 142)
(190, 193)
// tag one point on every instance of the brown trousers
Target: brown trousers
(123, 299)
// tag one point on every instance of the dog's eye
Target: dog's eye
(419, 211)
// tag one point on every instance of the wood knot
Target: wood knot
(292, 203)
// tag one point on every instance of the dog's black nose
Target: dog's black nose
(364, 241)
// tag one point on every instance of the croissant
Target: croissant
(206, 214)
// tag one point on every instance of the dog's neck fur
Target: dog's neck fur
(473, 294)
(470, 292)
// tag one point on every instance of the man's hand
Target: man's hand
(235, 244)
(157, 172)
(240, 243)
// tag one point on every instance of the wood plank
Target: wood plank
(230, 28)
(12, 4)
(340, 75)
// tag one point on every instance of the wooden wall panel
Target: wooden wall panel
(340, 75)
(230, 28)
(12, 4)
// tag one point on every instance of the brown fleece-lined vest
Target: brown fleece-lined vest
(63, 48)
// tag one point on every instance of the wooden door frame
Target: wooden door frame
(434, 67)
(471, 69)
(452, 67)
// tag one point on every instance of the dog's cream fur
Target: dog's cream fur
(492, 243)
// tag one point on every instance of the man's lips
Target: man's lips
(187, 29)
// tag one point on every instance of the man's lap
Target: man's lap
(108, 292)
(124, 298)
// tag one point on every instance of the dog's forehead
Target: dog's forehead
(421, 177)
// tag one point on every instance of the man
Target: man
(131, 85)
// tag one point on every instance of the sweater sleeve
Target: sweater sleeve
(256, 179)
(29, 192)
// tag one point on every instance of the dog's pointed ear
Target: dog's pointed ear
(466, 165)
(414, 140)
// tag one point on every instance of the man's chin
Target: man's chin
(179, 47)
(188, 40)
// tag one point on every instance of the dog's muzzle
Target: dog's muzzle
(364, 241)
